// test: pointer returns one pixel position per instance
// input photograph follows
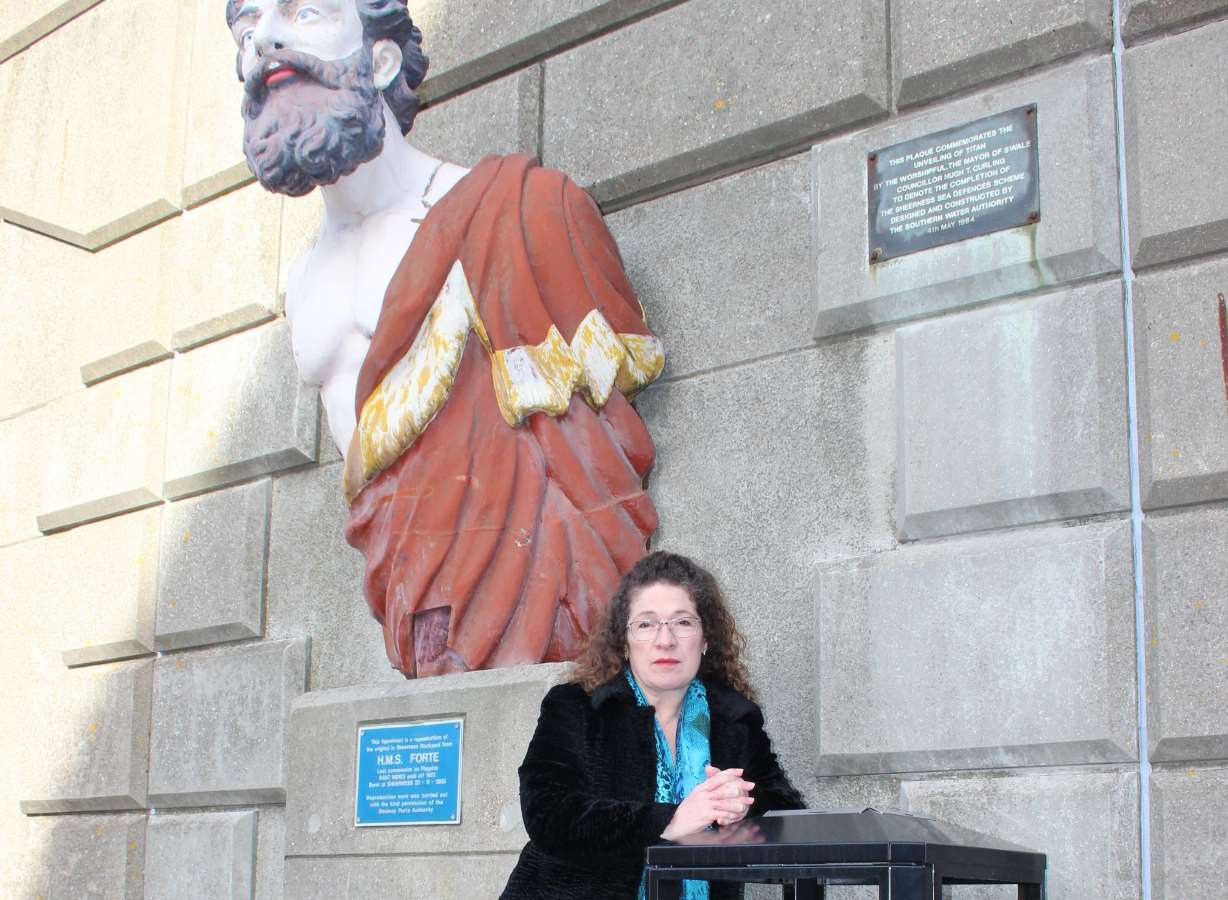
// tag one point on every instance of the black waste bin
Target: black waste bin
(908, 857)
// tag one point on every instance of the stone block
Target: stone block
(315, 583)
(724, 278)
(213, 160)
(214, 294)
(1180, 336)
(719, 86)
(500, 708)
(117, 136)
(1086, 821)
(67, 315)
(765, 521)
(471, 43)
(1175, 90)
(1077, 236)
(1187, 617)
(1187, 811)
(89, 750)
(25, 22)
(409, 877)
(103, 450)
(238, 411)
(94, 857)
(201, 855)
(509, 111)
(943, 46)
(102, 580)
(1005, 650)
(211, 579)
(1012, 414)
(22, 442)
(1142, 16)
(271, 852)
(219, 724)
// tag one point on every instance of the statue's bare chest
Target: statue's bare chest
(336, 292)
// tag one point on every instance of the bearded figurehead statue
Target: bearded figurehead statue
(474, 339)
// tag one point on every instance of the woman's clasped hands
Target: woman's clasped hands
(723, 798)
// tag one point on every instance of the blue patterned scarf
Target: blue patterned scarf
(678, 776)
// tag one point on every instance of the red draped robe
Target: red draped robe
(490, 545)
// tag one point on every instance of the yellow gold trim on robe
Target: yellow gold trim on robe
(527, 379)
(414, 390)
(533, 379)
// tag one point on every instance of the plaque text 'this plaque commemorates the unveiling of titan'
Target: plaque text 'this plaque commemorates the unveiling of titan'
(954, 184)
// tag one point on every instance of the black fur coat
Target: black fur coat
(588, 783)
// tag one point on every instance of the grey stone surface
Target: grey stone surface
(723, 270)
(1013, 414)
(1142, 16)
(765, 520)
(25, 22)
(1085, 820)
(1077, 236)
(315, 583)
(94, 857)
(238, 410)
(22, 441)
(429, 877)
(1186, 568)
(96, 196)
(509, 111)
(211, 574)
(473, 43)
(217, 294)
(135, 357)
(271, 853)
(1187, 816)
(103, 579)
(942, 46)
(201, 855)
(1005, 650)
(89, 750)
(500, 710)
(718, 86)
(107, 456)
(1182, 384)
(219, 724)
(1175, 89)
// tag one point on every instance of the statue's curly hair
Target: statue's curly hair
(605, 654)
(382, 20)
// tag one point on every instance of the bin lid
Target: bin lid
(854, 835)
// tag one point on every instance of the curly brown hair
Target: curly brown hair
(605, 654)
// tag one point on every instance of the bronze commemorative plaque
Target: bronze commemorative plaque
(953, 185)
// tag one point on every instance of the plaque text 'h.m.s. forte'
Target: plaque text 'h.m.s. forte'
(954, 184)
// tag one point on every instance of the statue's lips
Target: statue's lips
(280, 75)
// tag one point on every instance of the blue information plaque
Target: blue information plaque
(409, 773)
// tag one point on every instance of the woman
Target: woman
(658, 737)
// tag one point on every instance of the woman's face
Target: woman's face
(666, 661)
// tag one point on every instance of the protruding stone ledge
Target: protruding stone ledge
(1047, 681)
(92, 753)
(201, 855)
(1012, 415)
(217, 736)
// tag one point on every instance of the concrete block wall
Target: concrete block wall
(914, 477)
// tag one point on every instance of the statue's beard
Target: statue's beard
(323, 124)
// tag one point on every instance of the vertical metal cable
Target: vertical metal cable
(1136, 505)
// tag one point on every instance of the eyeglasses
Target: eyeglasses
(682, 627)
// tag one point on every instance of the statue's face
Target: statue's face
(311, 110)
(327, 29)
